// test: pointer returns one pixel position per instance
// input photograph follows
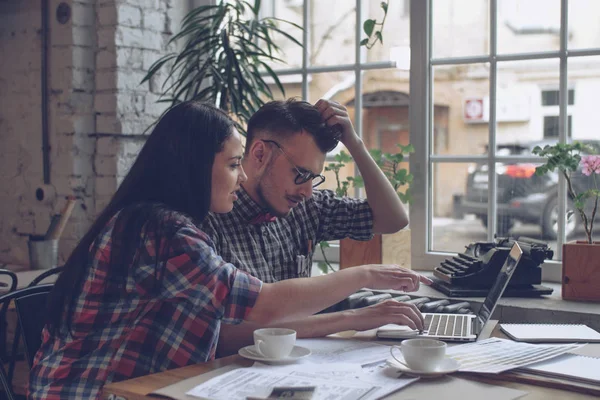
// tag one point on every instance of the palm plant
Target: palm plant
(225, 58)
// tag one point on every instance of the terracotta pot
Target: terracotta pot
(386, 249)
(581, 271)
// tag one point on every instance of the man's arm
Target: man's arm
(389, 215)
(234, 337)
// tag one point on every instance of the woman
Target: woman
(144, 291)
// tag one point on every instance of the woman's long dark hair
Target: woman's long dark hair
(172, 174)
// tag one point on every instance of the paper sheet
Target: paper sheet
(339, 381)
(329, 350)
(495, 355)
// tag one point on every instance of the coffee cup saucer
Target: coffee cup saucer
(447, 366)
(297, 353)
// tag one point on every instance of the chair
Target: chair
(30, 305)
(12, 277)
(17, 337)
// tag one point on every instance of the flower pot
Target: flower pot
(382, 249)
(581, 271)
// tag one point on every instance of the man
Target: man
(278, 219)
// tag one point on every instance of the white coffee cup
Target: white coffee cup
(421, 354)
(274, 342)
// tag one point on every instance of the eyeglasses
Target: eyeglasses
(303, 174)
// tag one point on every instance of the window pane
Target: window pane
(456, 208)
(396, 33)
(584, 78)
(526, 104)
(527, 26)
(584, 30)
(291, 83)
(461, 109)
(460, 28)
(337, 86)
(551, 97)
(291, 11)
(332, 27)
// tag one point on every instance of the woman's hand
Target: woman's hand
(387, 312)
(391, 276)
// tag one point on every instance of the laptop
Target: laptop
(460, 327)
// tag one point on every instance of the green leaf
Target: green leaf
(364, 42)
(379, 36)
(368, 26)
(384, 5)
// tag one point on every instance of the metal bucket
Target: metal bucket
(43, 254)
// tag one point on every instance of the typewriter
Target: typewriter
(472, 273)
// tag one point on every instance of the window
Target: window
(485, 76)
(496, 55)
(551, 126)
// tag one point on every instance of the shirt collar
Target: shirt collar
(245, 208)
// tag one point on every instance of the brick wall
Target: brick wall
(98, 111)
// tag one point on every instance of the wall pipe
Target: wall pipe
(44, 108)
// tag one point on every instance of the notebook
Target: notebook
(571, 366)
(460, 327)
(550, 333)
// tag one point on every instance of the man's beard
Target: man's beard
(264, 203)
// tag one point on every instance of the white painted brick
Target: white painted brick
(149, 57)
(148, 4)
(130, 105)
(129, 16)
(153, 108)
(133, 126)
(154, 20)
(131, 147)
(133, 37)
(129, 58)
(131, 80)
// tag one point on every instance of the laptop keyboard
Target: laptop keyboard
(446, 324)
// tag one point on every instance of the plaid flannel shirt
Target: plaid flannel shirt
(141, 332)
(268, 251)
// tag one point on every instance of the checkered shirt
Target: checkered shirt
(268, 251)
(142, 332)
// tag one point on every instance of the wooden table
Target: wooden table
(139, 388)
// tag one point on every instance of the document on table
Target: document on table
(495, 355)
(341, 381)
(329, 350)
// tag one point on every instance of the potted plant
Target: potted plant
(392, 248)
(581, 259)
(224, 60)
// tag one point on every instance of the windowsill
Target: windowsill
(544, 309)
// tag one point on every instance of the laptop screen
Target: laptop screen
(506, 272)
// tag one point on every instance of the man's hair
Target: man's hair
(282, 119)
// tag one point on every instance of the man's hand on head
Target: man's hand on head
(334, 113)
